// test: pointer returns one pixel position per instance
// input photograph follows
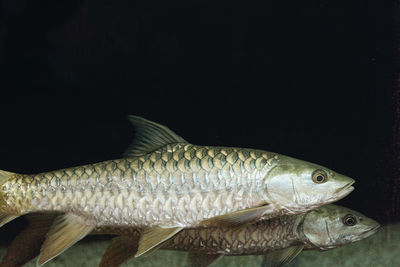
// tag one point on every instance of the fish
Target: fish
(164, 184)
(280, 239)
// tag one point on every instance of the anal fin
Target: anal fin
(120, 250)
(153, 237)
(202, 260)
(66, 230)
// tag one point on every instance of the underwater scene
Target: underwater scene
(199, 133)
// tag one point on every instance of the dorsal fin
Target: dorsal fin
(150, 136)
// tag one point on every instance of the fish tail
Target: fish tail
(5, 215)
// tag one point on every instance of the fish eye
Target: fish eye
(319, 177)
(349, 220)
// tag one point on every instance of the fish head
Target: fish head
(298, 186)
(332, 226)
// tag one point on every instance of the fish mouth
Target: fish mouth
(371, 231)
(345, 190)
(368, 232)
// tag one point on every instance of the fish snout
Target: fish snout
(372, 230)
(375, 227)
(346, 189)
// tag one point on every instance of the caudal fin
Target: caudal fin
(4, 216)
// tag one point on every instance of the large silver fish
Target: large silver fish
(282, 239)
(166, 184)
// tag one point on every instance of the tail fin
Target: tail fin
(4, 217)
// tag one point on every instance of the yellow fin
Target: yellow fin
(153, 237)
(237, 218)
(281, 257)
(66, 230)
(202, 260)
(120, 250)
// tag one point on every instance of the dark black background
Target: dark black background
(309, 79)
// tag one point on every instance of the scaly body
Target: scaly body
(178, 185)
(259, 238)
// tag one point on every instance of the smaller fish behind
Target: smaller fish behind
(282, 239)
(325, 228)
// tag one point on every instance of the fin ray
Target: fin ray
(237, 218)
(281, 257)
(153, 237)
(150, 136)
(66, 230)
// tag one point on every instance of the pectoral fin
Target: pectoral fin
(202, 260)
(281, 257)
(237, 218)
(151, 238)
(66, 230)
(120, 250)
